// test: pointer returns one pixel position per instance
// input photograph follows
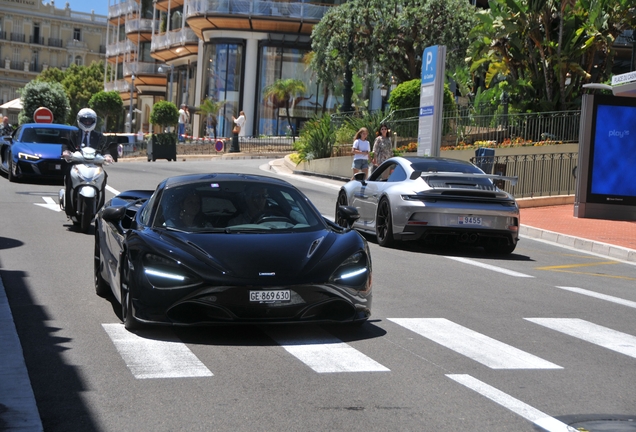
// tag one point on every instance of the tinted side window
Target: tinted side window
(397, 175)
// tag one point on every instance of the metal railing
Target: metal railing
(547, 174)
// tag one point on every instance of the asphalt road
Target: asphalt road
(458, 340)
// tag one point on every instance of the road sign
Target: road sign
(218, 145)
(43, 115)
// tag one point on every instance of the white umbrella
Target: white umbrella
(14, 104)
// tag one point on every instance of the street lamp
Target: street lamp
(383, 93)
(162, 70)
(130, 108)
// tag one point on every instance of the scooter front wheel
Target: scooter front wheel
(86, 218)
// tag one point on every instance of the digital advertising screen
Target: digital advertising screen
(612, 165)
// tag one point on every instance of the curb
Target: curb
(599, 248)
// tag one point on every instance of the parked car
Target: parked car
(35, 151)
(195, 251)
(438, 200)
(126, 144)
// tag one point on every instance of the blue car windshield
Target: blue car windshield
(44, 135)
(234, 207)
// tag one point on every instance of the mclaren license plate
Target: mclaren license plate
(270, 296)
(469, 220)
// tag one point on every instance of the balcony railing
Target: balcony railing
(124, 8)
(142, 68)
(121, 47)
(55, 42)
(75, 44)
(140, 24)
(36, 40)
(307, 11)
(18, 37)
(119, 86)
(177, 37)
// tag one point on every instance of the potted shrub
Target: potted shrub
(164, 145)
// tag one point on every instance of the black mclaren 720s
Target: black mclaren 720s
(229, 248)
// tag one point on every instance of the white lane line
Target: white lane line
(602, 336)
(483, 349)
(609, 298)
(148, 358)
(324, 353)
(112, 190)
(518, 407)
(490, 267)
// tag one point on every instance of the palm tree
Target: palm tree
(210, 110)
(284, 91)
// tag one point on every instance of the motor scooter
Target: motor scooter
(85, 185)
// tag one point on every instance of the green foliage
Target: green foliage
(317, 138)
(406, 95)
(371, 121)
(38, 94)
(165, 114)
(284, 91)
(209, 109)
(388, 37)
(164, 139)
(80, 84)
(108, 105)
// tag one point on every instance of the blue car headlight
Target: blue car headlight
(165, 273)
(28, 156)
(353, 272)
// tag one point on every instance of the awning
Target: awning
(15, 104)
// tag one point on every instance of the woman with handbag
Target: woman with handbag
(238, 124)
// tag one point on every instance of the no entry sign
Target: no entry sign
(43, 115)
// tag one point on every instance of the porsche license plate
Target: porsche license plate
(469, 220)
(270, 296)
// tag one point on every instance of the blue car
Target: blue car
(34, 151)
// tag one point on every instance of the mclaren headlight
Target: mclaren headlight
(353, 272)
(28, 157)
(165, 273)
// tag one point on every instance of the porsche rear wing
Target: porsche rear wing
(417, 174)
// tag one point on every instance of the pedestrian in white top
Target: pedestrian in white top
(184, 118)
(361, 149)
(240, 122)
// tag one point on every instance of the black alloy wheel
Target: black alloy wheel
(102, 288)
(384, 224)
(130, 323)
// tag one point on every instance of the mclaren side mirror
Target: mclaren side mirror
(114, 214)
(348, 213)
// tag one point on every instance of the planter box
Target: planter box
(162, 146)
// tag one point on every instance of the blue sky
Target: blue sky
(99, 6)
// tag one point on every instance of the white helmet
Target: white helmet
(86, 119)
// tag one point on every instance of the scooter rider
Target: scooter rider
(87, 136)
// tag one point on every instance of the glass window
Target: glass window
(281, 62)
(77, 34)
(224, 75)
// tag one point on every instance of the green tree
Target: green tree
(546, 49)
(285, 91)
(108, 105)
(38, 94)
(80, 83)
(164, 114)
(386, 38)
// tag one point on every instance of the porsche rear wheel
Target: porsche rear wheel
(342, 201)
(130, 323)
(101, 286)
(384, 224)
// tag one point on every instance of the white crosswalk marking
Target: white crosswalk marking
(602, 336)
(529, 413)
(323, 352)
(481, 348)
(597, 295)
(148, 358)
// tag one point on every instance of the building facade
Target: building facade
(223, 50)
(35, 36)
